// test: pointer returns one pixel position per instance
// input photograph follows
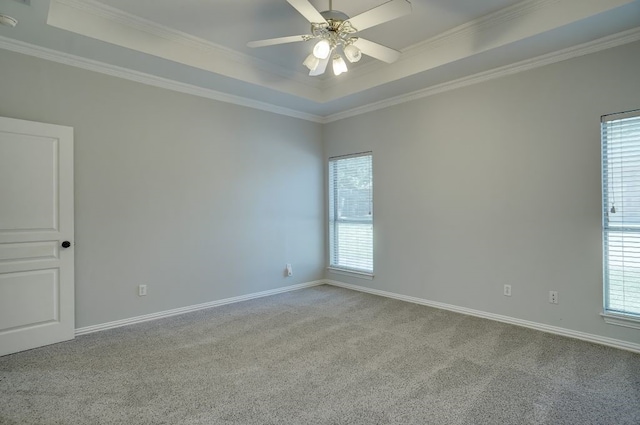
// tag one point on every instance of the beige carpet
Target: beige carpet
(322, 355)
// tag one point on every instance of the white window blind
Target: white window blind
(351, 212)
(621, 212)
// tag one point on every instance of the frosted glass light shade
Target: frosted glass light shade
(352, 53)
(339, 66)
(311, 62)
(322, 49)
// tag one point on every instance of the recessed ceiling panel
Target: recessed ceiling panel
(232, 23)
(199, 46)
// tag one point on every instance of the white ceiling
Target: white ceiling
(201, 44)
(233, 23)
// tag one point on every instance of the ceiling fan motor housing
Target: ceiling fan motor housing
(334, 15)
(337, 30)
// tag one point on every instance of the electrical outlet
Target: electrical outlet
(289, 270)
(553, 297)
(142, 290)
(507, 290)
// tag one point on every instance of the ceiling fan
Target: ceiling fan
(336, 31)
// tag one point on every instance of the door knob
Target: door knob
(66, 244)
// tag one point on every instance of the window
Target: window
(351, 213)
(621, 213)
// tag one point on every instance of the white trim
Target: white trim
(616, 343)
(188, 309)
(604, 43)
(621, 320)
(200, 45)
(148, 79)
(120, 16)
(352, 273)
(532, 18)
(471, 28)
(94, 19)
(600, 44)
(466, 31)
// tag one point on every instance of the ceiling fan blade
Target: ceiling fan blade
(378, 15)
(322, 66)
(279, 40)
(377, 51)
(307, 10)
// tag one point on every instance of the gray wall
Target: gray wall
(475, 188)
(497, 183)
(200, 200)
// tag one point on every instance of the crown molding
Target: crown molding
(604, 43)
(148, 79)
(116, 15)
(99, 21)
(97, 8)
(508, 25)
(491, 20)
(463, 31)
(520, 21)
(483, 23)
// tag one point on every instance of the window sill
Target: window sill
(627, 321)
(352, 273)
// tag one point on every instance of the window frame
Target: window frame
(332, 212)
(613, 316)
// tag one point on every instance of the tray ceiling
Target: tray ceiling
(201, 44)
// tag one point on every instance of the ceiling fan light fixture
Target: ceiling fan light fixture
(322, 49)
(339, 65)
(335, 34)
(311, 62)
(352, 53)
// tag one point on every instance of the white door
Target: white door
(36, 221)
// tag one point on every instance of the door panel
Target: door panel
(34, 292)
(36, 216)
(30, 165)
(29, 251)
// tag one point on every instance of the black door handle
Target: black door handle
(66, 244)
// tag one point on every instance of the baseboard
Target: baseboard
(174, 312)
(616, 343)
